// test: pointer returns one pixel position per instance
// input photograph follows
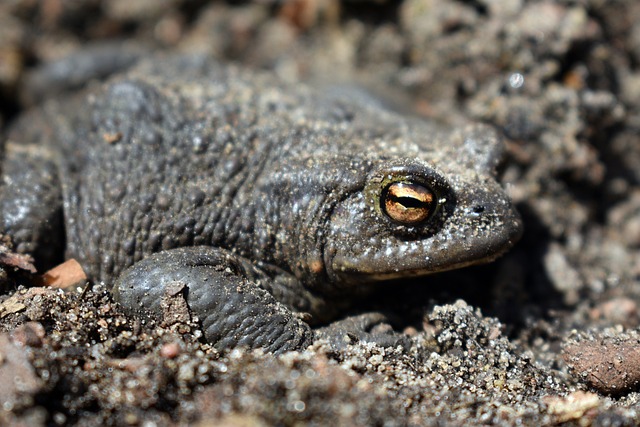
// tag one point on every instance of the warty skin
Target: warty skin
(262, 198)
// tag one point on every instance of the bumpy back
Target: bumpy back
(183, 151)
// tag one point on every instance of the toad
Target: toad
(270, 205)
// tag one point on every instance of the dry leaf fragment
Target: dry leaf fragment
(12, 259)
(64, 275)
(11, 305)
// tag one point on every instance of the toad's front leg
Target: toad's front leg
(222, 290)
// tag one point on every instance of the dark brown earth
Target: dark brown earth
(544, 336)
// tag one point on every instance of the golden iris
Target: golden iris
(408, 203)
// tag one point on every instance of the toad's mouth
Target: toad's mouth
(394, 259)
(418, 272)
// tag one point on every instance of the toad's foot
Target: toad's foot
(368, 327)
(222, 291)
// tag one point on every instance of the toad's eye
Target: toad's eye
(408, 203)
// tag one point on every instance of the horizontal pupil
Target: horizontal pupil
(409, 202)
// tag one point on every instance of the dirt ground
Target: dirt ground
(547, 335)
